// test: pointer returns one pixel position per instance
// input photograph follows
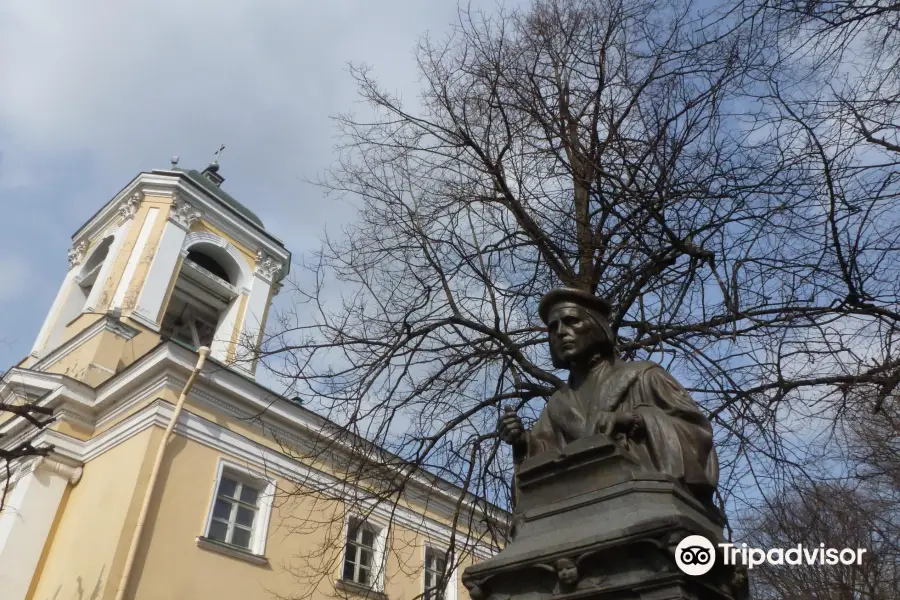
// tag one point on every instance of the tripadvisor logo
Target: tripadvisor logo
(696, 555)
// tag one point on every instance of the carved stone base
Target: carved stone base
(592, 524)
(633, 566)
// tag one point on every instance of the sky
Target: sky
(92, 93)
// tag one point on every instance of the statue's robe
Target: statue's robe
(676, 440)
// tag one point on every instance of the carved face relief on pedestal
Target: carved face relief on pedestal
(475, 591)
(567, 572)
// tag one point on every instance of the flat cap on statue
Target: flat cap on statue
(576, 296)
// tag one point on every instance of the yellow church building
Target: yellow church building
(171, 269)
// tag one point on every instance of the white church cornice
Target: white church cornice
(224, 391)
(32, 384)
(168, 184)
(70, 453)
(105, 323)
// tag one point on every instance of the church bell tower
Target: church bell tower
(171, 257)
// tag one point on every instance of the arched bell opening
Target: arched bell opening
(205, 295)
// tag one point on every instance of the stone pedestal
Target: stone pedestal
(591, 523)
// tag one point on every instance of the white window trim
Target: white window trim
(378, 552)
(264, 514)
(194, 238)
(450, 591)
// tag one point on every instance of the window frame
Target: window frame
(259, 530)
(449, 592)
(428, 593)
(379, 530)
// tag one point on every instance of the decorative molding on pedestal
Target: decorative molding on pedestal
(267, 267)
(183, 214)
(562, 551)
(76, 254)
(129, 207)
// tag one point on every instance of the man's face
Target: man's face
(572, 334)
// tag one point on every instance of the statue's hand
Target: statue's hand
(618, 422)
(510, 426)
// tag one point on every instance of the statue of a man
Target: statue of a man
(637, 404)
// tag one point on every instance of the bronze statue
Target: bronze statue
(637, 404)
(617, 471)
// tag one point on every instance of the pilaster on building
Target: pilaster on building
(171, 264)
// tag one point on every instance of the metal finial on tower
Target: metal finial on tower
(212, 171)
(218, 152)
(174, 161)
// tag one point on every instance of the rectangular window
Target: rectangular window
(435, 565)
(359, 555)
(235, 511)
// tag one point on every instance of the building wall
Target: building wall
(86, 547)
(104, 355)
(111, 286)
(170, 563)
(251, 430)
(77, 325)
(304, 543)
(145, 257)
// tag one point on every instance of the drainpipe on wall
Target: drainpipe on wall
(154, 474)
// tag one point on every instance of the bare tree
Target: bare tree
(859, 508)
(641, 150)
(838, 517)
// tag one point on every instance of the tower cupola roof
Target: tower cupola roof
(210, 180)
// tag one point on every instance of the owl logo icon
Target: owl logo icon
(695, 555)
